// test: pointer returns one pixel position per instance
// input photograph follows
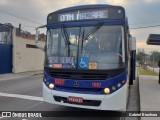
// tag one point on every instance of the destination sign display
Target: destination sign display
(86, 14)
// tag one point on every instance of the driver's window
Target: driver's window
(73, 44)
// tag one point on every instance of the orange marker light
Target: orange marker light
(123, 81)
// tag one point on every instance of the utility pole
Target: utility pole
(159, 70)
(153, 61)
(19, 29)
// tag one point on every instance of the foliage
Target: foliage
(140, 56)
(147, 71)
(155, 56)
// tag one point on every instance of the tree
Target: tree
(141, 56)
(155, 57)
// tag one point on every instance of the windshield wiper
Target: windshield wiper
(92, 31)
(66, 38)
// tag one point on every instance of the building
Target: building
(18, 52)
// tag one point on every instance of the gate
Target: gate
(5, 48)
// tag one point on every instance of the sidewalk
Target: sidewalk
(11, 76)
(149, 94)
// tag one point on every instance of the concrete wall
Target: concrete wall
(26, 59)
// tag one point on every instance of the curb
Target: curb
(139, 101)
(19, 76)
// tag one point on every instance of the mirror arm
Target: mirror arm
(37, 36)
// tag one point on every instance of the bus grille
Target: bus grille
(78, 75)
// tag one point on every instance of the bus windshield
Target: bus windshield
(91, 47)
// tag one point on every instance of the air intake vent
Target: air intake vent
(77, 74)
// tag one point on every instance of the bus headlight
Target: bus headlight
(51, 86)
(106, 90)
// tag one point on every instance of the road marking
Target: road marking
(21, 96)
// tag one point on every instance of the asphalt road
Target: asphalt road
(25, 94)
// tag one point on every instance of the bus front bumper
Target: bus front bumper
(116, 101)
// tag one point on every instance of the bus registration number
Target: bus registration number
(75, 99)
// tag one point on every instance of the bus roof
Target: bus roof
(87, 7)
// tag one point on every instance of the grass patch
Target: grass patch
(147, 71)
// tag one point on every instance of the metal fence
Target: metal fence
(6, 33)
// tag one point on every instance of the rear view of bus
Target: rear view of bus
(87, 57)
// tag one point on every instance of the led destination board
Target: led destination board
(83, 15)
(86, 14)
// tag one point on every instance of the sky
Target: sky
(33, 13)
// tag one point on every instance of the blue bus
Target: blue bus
(88, 57)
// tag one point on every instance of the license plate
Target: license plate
(75, 99)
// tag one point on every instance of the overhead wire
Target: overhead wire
(146, 27)
(141, 27)
(20, 17)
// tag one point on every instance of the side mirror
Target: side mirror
(37, 38)
(132, 45)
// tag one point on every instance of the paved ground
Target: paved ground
(25, 94)
(149, 95)
(11, 76)
(134, 101)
